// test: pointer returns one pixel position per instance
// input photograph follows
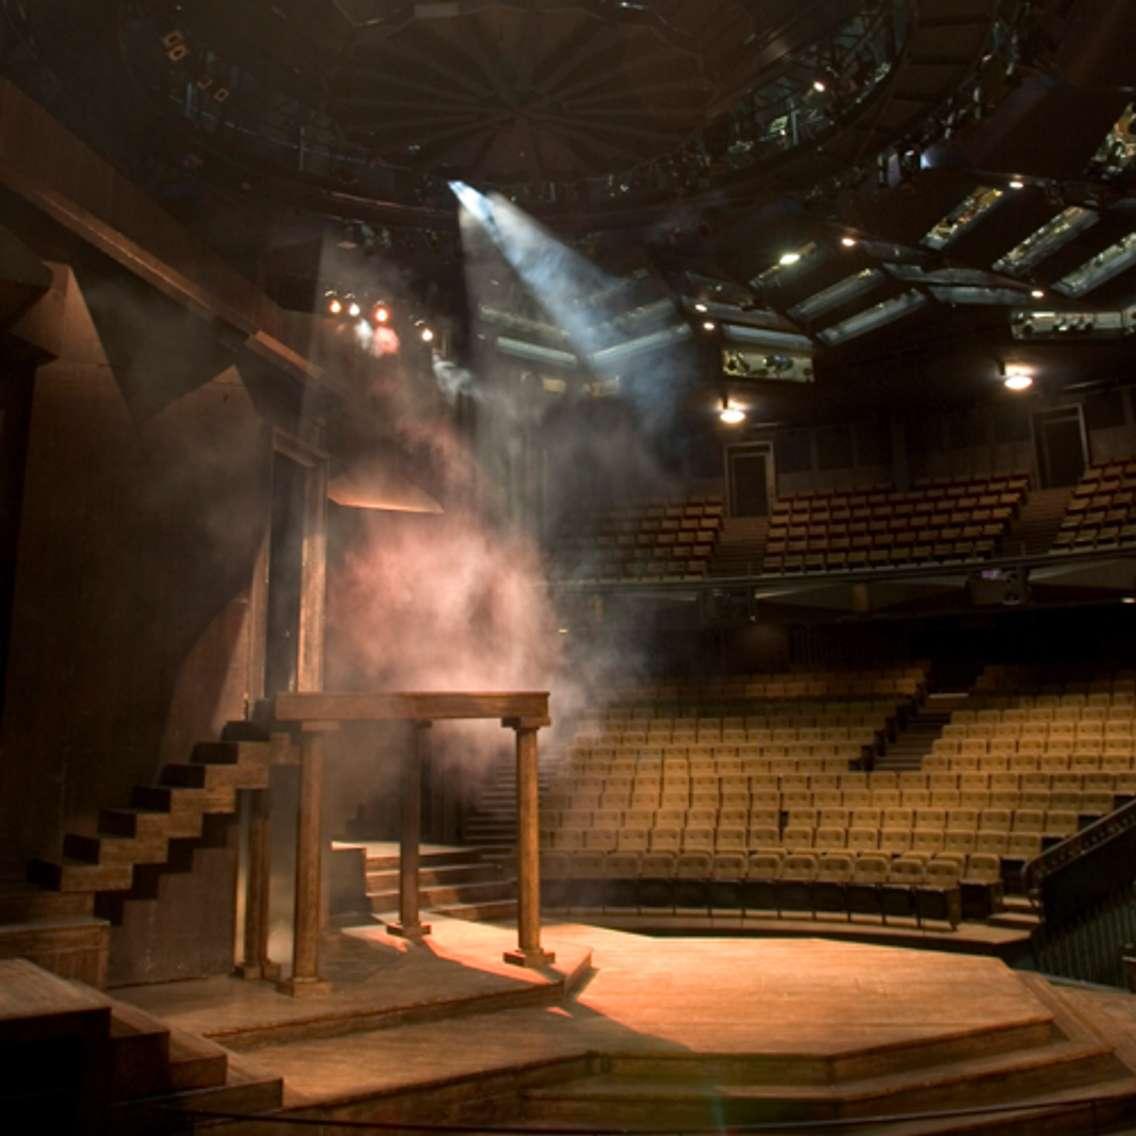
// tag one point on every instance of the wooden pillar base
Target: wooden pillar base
(417, 931)
(304, 987)
(532, 959)
(254, 972)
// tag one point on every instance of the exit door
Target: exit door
(749, 470)
(1061, 449)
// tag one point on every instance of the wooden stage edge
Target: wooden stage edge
(698, 1032)
(968, 938)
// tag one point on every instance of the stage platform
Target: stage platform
(676, 1032)
(377, 980)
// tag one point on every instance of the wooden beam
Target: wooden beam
(316, 706)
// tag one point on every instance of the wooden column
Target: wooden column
(306, 978)
(529, 951)
(409, 925)
(258, 865)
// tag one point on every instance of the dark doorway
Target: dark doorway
(1061, 455)
(749, 481)
(285, 574)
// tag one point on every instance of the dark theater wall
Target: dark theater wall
(139, 532)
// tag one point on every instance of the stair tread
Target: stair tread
(1056, 1053)
(46, 922)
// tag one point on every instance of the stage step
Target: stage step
(1060, 1052)
(445, 875)
(703, 1101)
(483, 912)
(438, 897)
(152, 1073)
(426, 860)
(71, 946)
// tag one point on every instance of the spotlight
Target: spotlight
(820, 86)
(1129, 600)
(849, 242)
(1018, 381)
(1038, 293)
(335, 305)
(789, 258)
(701, 308)
(353, 308)
(708, 325)
(1017, 183)
(381, 313)
(731, 415)
(426, 335)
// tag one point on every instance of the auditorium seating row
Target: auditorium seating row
(945, 889)
(816, 686)
(927, 496)
(1029, 685)
(1101, 513)
(647, 540)
(936, 525)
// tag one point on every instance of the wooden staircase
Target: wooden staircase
(463, 884)
(60, 918)
(1036, 527)
(150, 1072)
(740, 550)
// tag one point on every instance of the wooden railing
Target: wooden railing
(1085, 869)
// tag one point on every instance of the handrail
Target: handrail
(1077, 857)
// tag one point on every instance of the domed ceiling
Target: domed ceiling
(488, 90)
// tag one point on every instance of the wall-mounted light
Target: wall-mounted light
(730, 415)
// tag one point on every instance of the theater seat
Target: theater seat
(864, 891)
(759, 891)
(939, 896)
(904, 876)
(831, 884)
(656, 881)
(794, 890)
(621, 870)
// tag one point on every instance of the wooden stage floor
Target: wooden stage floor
(808, 1024)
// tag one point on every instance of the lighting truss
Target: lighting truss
(1116, 157)
(888, 311)
(1042, 244)
(842, 292)
(1098, 270)
(964, 217)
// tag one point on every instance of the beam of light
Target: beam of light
(582, 300)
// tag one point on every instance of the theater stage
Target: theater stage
(677, 1032)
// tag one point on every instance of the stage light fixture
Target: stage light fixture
(353, 308)
(701, 308)
(426, 335)
(789, 258)
(820, 86)
(1017, 183)
(1038, 293)
(1129, 600)
(381, 313)
(335, 305)
(708, 325)
(849, 242)
(1017, 380)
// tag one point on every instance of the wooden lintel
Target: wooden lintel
(309, 707)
